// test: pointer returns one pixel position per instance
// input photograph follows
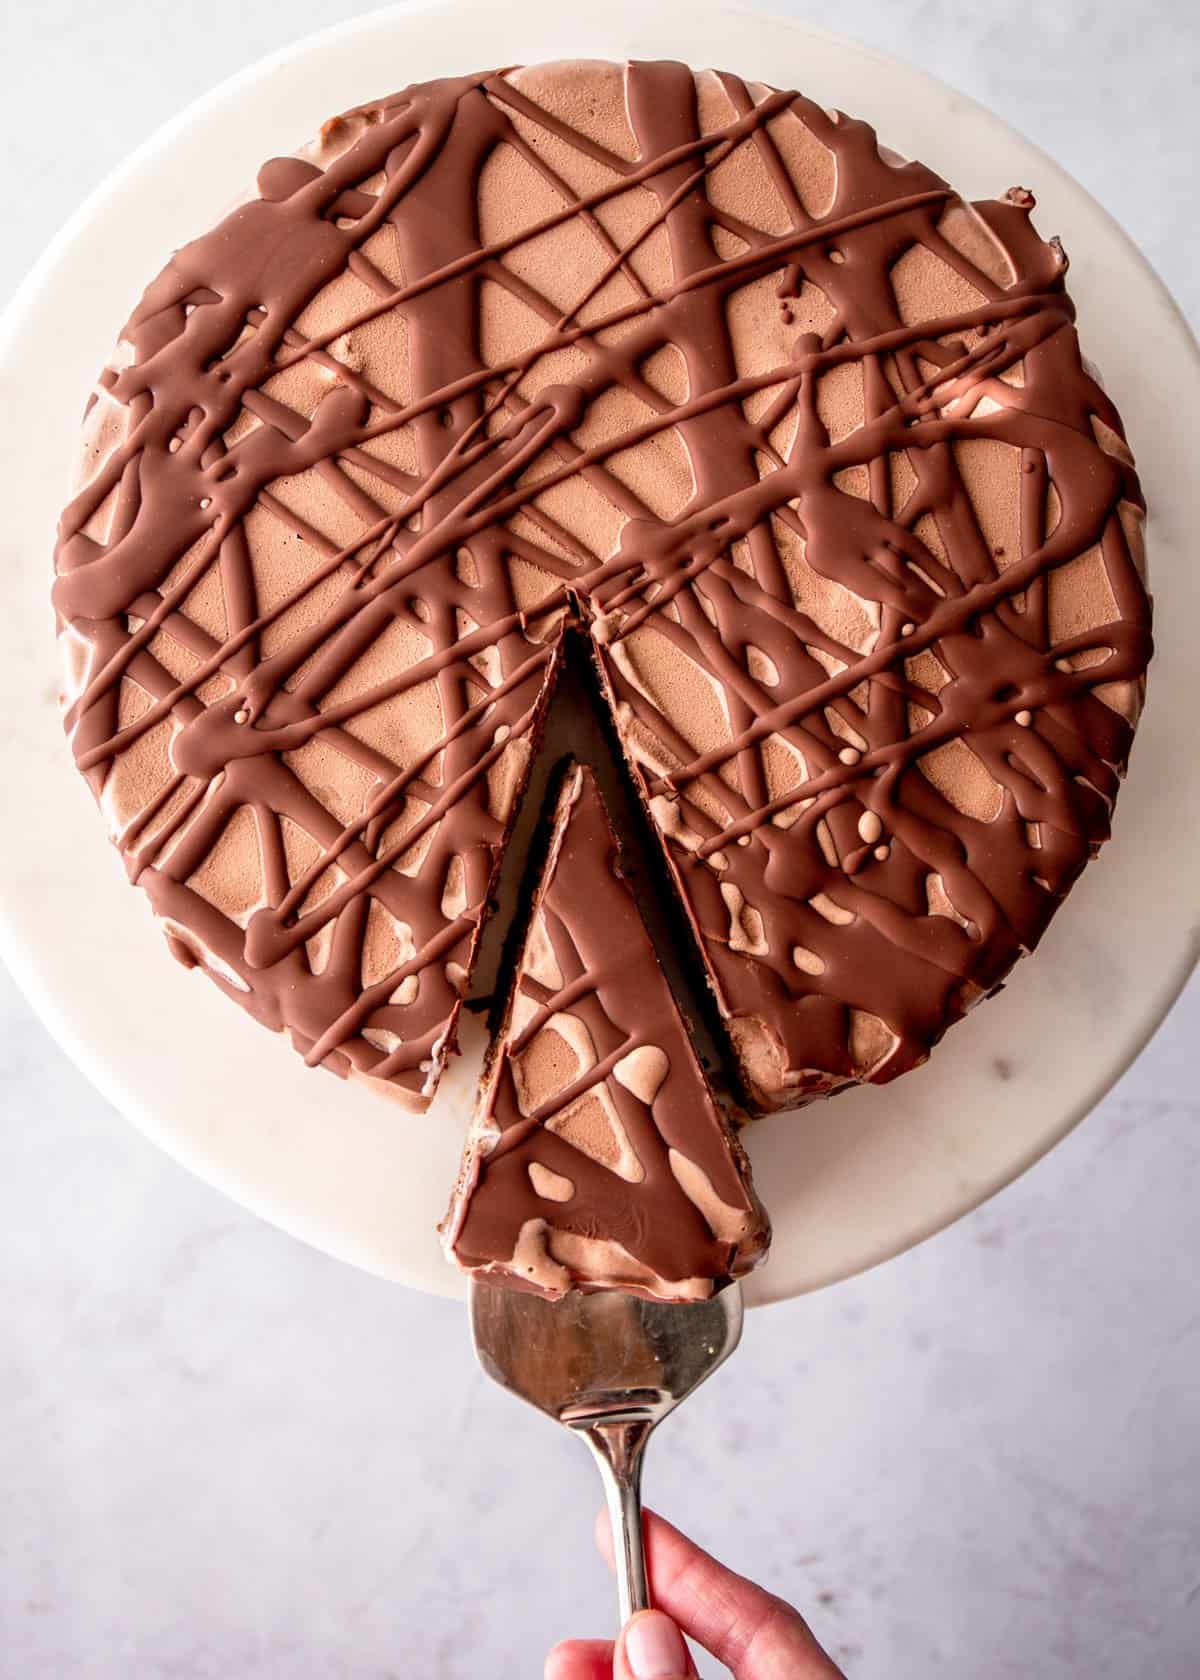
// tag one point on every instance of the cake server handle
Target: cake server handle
(617, 1446)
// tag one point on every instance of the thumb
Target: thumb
(651, 1647)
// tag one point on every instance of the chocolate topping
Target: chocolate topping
(599, 1158)
(804, 442)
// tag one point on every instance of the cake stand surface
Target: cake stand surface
(849, 1183)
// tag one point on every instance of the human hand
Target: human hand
(756, 1635)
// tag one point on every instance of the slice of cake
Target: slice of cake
(598, 1158)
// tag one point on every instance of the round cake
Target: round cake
(801, 442)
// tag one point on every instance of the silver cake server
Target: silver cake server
(609, 1367)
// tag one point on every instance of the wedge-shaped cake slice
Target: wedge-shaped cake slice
(598, 1158)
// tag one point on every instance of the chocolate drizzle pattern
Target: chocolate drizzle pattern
(807, 446)
(599, 1158)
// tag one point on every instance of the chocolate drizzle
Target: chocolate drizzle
(599, 1158)
(327, 347)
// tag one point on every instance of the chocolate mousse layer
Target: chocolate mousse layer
(803, 441)
(598, 1158)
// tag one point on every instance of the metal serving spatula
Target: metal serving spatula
(609, 1367)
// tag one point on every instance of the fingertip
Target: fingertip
(580, 1659)
(558, 1662)
(651, 1647)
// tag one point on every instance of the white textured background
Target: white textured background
(222, 1455)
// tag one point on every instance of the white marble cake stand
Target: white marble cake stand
(849, 1183)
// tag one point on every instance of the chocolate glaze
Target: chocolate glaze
(835, 865)
(607, 985)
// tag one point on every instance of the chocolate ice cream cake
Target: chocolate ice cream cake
(801, 440)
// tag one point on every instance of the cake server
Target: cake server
(609, 1367)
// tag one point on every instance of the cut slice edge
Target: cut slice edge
(598, 1157)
